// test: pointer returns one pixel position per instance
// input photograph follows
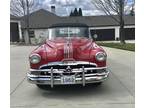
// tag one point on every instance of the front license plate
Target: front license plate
(68, 79)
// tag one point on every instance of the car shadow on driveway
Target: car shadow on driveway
(73, 91)
(110, 90)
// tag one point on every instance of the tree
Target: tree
(22, 8)
(80, 12)
(132, 11)
(71, 14)
(75, 13)
(114, 7)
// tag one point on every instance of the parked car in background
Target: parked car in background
(68, 56)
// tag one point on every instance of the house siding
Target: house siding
(39, 35)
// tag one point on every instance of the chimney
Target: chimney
(53, 9)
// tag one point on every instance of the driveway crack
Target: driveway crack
(122, 83)
(18, 85)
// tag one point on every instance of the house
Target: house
(104, 26)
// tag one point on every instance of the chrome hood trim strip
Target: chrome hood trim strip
(68, 49)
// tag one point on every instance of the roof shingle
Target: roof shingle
(44, 19)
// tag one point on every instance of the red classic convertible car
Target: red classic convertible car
(68, 56)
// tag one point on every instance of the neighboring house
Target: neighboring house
(104, 26)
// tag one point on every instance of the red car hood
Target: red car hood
(61, 49)
(74, 43)
(69, 48)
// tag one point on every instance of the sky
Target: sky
(64, 7)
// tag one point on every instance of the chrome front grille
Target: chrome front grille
(65, 66)
(73, 68)
(69, 68)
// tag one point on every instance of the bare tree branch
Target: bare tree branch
(101, 6)
(114, 7)
(19, 7)
(23, 8)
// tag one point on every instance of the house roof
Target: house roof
(44, 19)
(40, 19)
(98, 21)
(12, 17)
(68, 25)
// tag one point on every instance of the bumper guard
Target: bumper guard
(52, 80)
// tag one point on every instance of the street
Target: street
(116, 92)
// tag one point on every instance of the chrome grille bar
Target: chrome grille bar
(52, 77)
(83, 76)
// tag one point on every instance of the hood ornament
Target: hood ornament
(68, 69)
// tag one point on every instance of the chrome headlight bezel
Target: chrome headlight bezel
(35, 58)
(101, 56)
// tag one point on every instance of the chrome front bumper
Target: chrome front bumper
(83, 73)
(54, 76)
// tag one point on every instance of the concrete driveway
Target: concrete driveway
(116, 92)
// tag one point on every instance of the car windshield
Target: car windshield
(69, 32)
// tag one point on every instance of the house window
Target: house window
(31, 33)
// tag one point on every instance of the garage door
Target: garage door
(14, 32)
(104, 34)
(129, 33)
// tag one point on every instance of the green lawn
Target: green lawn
(127, 46)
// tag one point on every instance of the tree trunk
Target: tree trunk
(122, 36)
(27, 17)
(28, 31)
(26, 38)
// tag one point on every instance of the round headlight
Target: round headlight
(35, 58)
(100, 56)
